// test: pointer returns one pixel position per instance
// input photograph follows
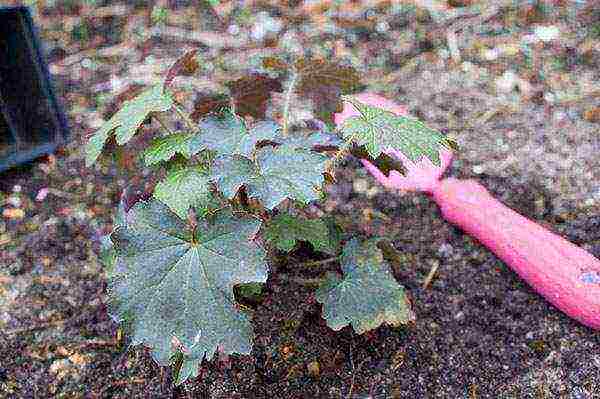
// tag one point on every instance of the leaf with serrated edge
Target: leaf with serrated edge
(227, 135)
(163, 148)
(183, 188)
(170, 286)
(315, 139)
(278, 173)
(285, 230)
(380, 130)
(368, 295)
(127, 120)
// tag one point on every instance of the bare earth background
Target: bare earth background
(516, 82)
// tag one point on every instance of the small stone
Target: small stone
(507, 82)
(79, 360)
(13, 213)
(592, 114)
(360, 185)
(59, 367)
(460, 316)
(547, 33)
(314, 369)
(14, 200)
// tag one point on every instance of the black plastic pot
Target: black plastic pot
(32, 122)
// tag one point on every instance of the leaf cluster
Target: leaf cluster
(231, 190)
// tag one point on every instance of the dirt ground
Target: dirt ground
(516, 83)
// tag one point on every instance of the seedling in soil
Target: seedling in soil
(231, 196)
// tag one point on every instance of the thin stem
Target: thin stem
(288, 100)
(161, 121)
(307, 282)
(320, 262)
(186, 118)
(430, 276)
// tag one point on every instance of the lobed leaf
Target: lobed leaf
(227, 135)
(125, 122)
(278, 173)
(164, 148)
(183, 188)
(315, 139)
(174, 285)
(380, 130)
(285, 230)
(368, 295)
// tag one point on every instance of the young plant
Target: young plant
(174, 258)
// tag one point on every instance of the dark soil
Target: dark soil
(480, 332)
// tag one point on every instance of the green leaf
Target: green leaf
(368, 295)
(163, 148)
(278, 173)
(251, 292)
(227, 134)
(127, 120)
(314, 139)
(379, 130)
(183, 188)
(108, 254)
(285, 230)
(170, 286)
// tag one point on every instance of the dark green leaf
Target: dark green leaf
(379, 130)
(278, 173)
(171, 287)
(163, 148)
(368, 295)
(127, 120)
(183, 188)
(315, 139)
(250, 293)
(285, 230)
(227, 134)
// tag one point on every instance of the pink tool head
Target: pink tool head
(421, 176)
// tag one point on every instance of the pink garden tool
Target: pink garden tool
(565, 274)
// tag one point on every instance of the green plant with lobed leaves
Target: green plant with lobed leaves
(231, 189)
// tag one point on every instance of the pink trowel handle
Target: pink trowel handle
(565, 274)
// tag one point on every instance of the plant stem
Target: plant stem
(183, 115)
(159, 118)
(320, 262)
(430, 276)
(286, 105)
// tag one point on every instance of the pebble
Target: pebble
(14, 200)
(547, 33)
(314, 369)
(445, 250)
(13, 213)
(360, 185)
